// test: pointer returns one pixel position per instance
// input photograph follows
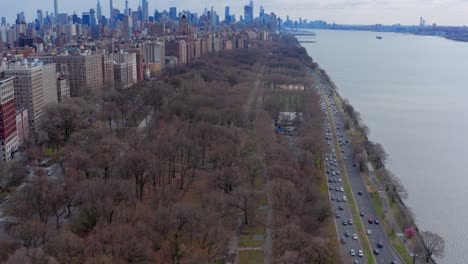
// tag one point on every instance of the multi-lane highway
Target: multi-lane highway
(336, 135)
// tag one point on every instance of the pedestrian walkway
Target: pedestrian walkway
(387, 209)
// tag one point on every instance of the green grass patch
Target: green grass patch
(400, 248)
(248, 241)
(251, 257)
(259, 182)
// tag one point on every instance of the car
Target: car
(343, 240)
(337, 189)
(345, 199)
(354, 236)
(341, 207)
(379, 245)
(394, 262)
(356, 261)
(345, 222)
(337, 173)
(376, 251)
(49, 173)
(360, 253)
(361, 214)
(352, 253)
(339, 180)
(376, 222)
(370, 221)
(369, 232)
(347, 234)
(332, 198)
(344, 158)
(354, 165)
(338, 199)
(350, 222)
(360, 193)
(337, 215)
(333, 173)
(341, 189)
(342, 151)
(330, 188)
(330, 180)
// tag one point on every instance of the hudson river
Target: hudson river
(412, 92)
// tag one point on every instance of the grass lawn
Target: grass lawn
(258, 183)
(248, 241)
(251, 257)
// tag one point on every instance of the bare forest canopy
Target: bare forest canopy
(172, 170)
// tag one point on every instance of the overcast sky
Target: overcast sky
(442, 12)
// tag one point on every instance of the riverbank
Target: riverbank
(389, 211)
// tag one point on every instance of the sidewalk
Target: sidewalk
(387, 209)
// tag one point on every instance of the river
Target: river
(412, 92)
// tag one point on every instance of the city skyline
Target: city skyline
(450, 12)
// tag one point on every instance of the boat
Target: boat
(378, 37)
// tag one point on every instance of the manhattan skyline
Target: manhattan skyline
(449, 12)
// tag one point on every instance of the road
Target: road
(363, 201)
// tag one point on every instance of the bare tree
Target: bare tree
(434, 245)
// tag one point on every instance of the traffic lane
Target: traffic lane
(386, 254)
(364, 201)
(346, 212)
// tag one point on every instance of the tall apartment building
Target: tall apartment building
(83, 70)
(49, 73)
(177, 49)
(154, 52)
(29, 82)
(63, 88)
(8, 135)
(125, 70)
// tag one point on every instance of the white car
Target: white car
(345, 199)
(360, 253)
(369, 232)
(352, 252)
(355, 237)
(341, 189)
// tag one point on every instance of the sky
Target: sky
(406, 12)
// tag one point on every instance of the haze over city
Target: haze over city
(407, 12)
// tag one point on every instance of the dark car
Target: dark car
(333, 198)
(345, 222)
(379, 245)
(376, 251)
(330, 188)
(370, 221)
(347, 234)
(343, 240)
(340, 207)
(360, 193)
(337, 215)
(361, 214)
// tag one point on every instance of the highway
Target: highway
(386, 255)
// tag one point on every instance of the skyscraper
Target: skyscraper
(173, 13)
(56, 10)
(145, 10)
(111, 15)
(99, 10)
(227, 15)
(126, 7)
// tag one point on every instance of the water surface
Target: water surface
(412, 92)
